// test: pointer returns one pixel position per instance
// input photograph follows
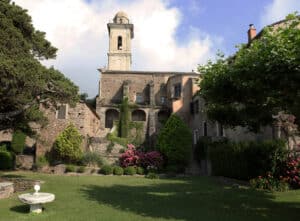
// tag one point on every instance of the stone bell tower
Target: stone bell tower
(120, 35)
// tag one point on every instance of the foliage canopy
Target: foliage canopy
(262, 79)
(25, 82)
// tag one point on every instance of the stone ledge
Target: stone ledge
(6, 189)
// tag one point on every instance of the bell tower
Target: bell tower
(120, 34)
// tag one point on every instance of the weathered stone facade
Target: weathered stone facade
(84, 118)
(155, 95)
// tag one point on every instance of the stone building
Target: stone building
(155, 94)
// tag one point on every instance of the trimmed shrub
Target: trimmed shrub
(18, 142)
(246, 160)
(6, 160)
(152, 176)
(140, 170)
(81, 169)
(92, 159)
(68, 145)
(175, 142)
(70, 168)
(106, 170)
(130, 170)
(118, 171)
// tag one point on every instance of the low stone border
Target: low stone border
(6, 189)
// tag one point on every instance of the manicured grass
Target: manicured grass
(118, 198)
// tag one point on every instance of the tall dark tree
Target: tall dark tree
(262, 79)
(24, 82)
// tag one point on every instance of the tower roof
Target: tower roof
(121, 17)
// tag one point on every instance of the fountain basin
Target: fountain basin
(35, 200)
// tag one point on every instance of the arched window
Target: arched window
(163, 116)
(138, 115)
(111, 115)
(120, 42)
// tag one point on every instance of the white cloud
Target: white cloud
(278, 9)
(78, 29)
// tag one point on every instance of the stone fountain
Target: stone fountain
(36, 199)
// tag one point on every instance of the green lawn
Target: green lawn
(135, 198)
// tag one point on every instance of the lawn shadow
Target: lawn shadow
(20, 209)
(193, 200)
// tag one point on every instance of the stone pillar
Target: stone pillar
(151, 127)
(126, 88)
(152, 94)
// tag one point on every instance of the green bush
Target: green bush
(18, 142)
(6, 160)
(118, 170)
(140, 170)
(92, 159)
(70, 168)
(152, 176)
(246, 160)
(81, 169)
(175, 143)
(130, 170)
(68, 145)
(106, 170)
(40, 162)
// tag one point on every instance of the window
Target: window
(163, 100)
(220, 130)
(196, 136)
(204, 129)
(139, 99)
(177, 90)
(62, 112)
(192, 108)
(119, 42)
(138, 115)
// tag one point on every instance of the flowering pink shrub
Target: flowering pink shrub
(134, 157)
(292, 172)
(152, 159)
(130, 157)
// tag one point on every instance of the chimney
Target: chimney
(251, 33)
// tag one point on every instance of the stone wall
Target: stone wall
(85, 120)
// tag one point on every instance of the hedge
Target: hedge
(246, 160)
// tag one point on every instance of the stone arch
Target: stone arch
(138, 115)
(111, 115)
(162, 116)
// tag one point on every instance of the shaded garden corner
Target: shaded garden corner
(195, 199)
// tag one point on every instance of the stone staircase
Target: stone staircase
(110, 152)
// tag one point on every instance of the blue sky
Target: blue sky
(228, 19)
(170, 35)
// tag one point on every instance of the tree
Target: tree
(68, 145)
(25, 83)
(262, 79)
(124, 118)
(175, 143)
